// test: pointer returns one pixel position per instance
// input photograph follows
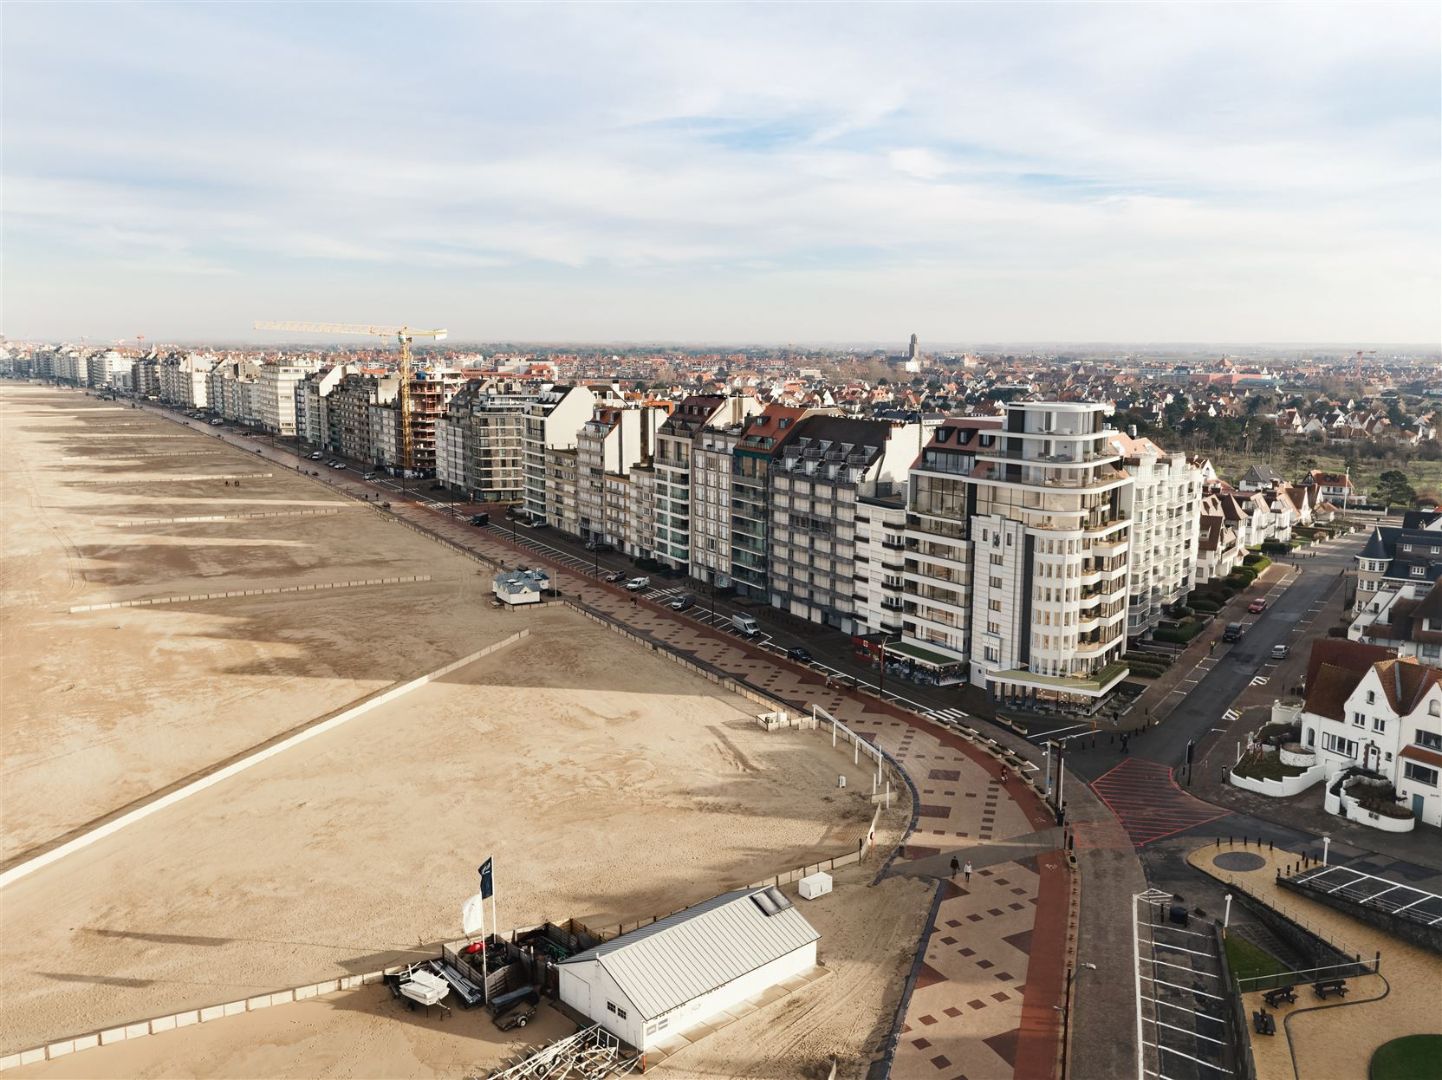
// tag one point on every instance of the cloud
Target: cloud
(777, 158)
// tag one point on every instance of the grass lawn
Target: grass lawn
(1259, 766)
(1416, 1057)
(1247, 961)
(1424, 475)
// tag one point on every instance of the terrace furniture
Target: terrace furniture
(1281, 993)
(1330, 986)
(1263, 1022)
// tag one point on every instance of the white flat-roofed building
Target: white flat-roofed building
(678, 973)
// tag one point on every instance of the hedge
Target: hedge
(1257, 562)
(1178, 635)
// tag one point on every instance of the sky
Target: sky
(726, 173)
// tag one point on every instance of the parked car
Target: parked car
(216, 423)
(614, 576)
(636, 584)
(480, 519)
(1257, 606)
(1280, 652)
(1232, 633)
(599, 546)
(370, 476)
(800, 655)
(745, 624)
(337, 464)
(682, 602)
(317, 456)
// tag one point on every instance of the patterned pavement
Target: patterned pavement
(1148, 803)
(981, 1009)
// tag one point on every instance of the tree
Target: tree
(1394, 489)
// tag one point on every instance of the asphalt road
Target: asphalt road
(1236, 667)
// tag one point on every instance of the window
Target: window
(993, 654)
(1378, 724)
(1420, 774)
(1434, 708)
(1371, 697)
(996, 583)
(994, 605)
(1419, 571)
(1359, 719)
(1338, 745)
(1432, 740)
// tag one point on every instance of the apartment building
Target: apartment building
(230, 390)
(675, 445)
(760, 442)
(1394, 557)
(182, 379)
(312, 395)
(1018, 544)
(712, 458)
(145, 377)
(481, 442)
(108, 369)
(349, 412)
(552, 422)
(1165, 515)
(1407, 619)
(609, 446)
(274, 394)
(878, 574)
(1386, 719)
(822, 470)
(559, 503)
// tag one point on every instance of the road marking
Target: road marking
(1231, 715)
(1260, 680)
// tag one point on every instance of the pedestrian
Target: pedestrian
(966, 870)
(1212, 647)
(955, 866)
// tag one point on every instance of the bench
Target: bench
(1330, 986)
(1281, 993)
(1263, 1023)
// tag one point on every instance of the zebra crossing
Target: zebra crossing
(948, 716)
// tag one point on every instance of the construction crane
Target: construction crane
(404, 335)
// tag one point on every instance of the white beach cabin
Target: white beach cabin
(683, 970)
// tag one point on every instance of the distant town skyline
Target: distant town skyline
(1011, 174)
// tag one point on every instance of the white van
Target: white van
(745, 624)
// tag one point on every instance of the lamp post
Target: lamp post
(881, 684)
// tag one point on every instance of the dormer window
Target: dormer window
(1371, 697)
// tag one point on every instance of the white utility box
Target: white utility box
(818, 884)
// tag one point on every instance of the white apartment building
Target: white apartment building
(553, 421)
(1387, 720)
(108, 369)
(878, 579)
(274, 392)
(1019, 551)
(1166, 516)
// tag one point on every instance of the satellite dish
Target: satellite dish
(473, 915)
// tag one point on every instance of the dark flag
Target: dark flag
(486, 886)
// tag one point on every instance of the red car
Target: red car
(1257, 606)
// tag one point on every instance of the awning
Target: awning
(925, 657)
(1094, 686)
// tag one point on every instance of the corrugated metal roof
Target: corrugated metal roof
(681, 957)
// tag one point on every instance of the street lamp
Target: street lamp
(881, 684)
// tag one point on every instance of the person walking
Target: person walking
(966, 870)
(955, 866)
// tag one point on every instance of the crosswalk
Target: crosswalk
(948, 716)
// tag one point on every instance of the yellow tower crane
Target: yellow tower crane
(404, 335)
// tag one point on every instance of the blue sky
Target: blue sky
(1010, 172)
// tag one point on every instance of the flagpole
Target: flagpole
(485, 963)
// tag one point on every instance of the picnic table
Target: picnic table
(1330, 986)
(1281, 993)
(1263, 1022)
